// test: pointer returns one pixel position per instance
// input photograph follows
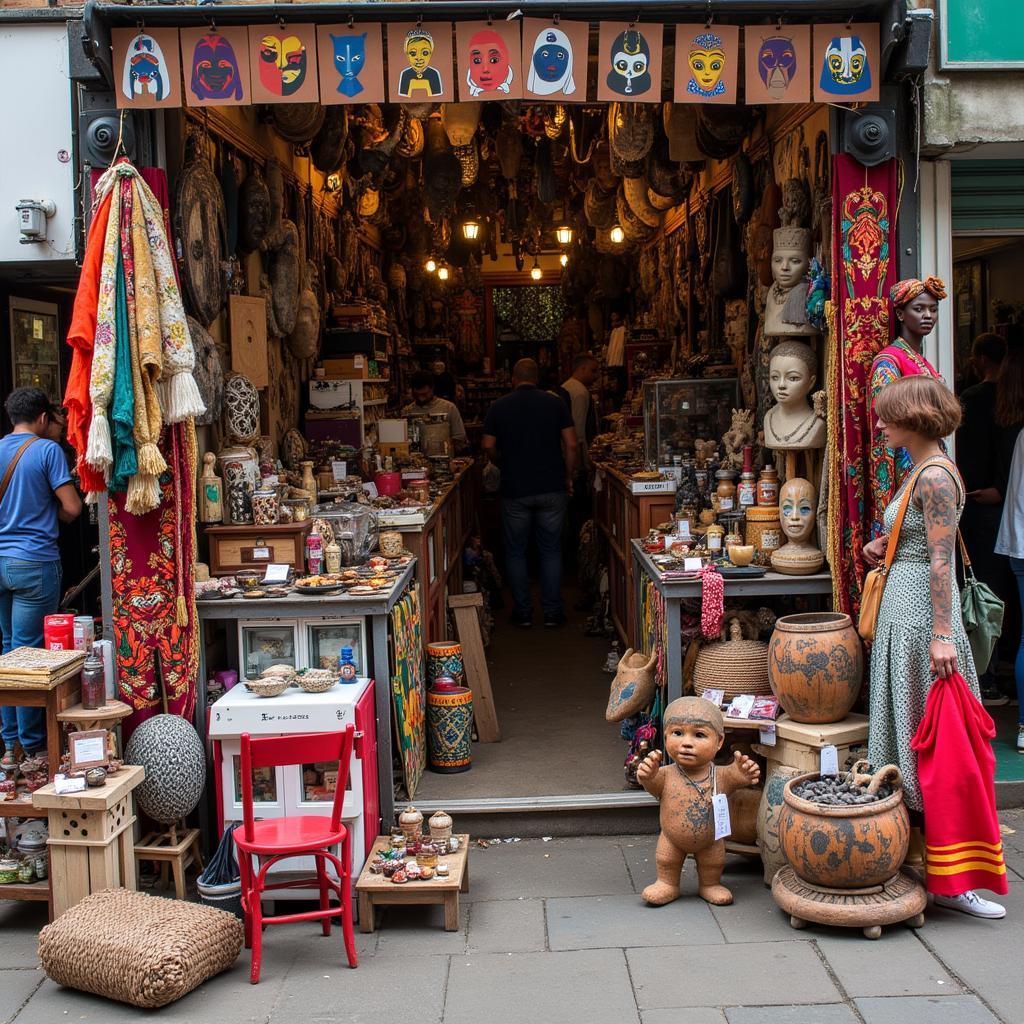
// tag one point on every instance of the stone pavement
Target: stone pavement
(555, 933)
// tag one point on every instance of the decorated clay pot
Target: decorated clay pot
(450, 729)
(843, 847)
(444, 658)
(768, 814)
(815, 666)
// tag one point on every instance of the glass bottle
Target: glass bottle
(768, 486)
(314, 552)
(94, 683)
(746, 489)
(347, 666)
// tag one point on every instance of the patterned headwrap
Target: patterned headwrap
(906, 291)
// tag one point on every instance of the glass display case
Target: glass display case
(678, 412)
(263, 644)
(324, 641)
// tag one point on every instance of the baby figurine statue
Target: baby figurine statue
(686, 789)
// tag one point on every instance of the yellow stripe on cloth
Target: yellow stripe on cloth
(970, 865)
(995, 847)
(946, 858)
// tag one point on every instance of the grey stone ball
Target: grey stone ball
(168, 747)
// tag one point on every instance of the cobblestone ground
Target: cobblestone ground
(556, 932)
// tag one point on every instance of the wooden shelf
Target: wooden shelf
(20, 809)
(26, 891)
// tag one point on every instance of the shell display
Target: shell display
(241, 409)
(168, 747)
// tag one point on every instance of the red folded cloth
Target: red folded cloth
(956, 769)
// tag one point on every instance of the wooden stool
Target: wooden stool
(467, 626)
(175, 849)
(81, 719)
(90, 837)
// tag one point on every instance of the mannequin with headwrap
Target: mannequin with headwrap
(917, 309)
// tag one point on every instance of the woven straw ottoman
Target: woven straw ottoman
(138, 949)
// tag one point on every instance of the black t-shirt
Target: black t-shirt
(984, 450)
(528, 425)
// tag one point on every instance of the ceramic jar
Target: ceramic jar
(816, 666)
(769, 812)
(264, 508)
(390, 544)
(240, 470)
(715, 537)
(444, 658)
(768, 486)
(724, 498)
(764, 532)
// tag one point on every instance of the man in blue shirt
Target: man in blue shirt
(526, 432)
(39, 493)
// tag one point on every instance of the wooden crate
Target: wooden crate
(799, 746)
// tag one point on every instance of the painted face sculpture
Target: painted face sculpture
(631, 57)
(419, 76)
(349, 58)
(846, 71)
(215, 74)
(797, 502)
(551, 64)
(145, 71)
(707, 62)
(489, 69)
(776, 63)
(282, 64)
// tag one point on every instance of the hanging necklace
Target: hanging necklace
(916, 357)
(803, 428)
(707, 782)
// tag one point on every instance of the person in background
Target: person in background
(615, 358)
(426, 403)
(984, 466)
(1010, 543)
(531, 435)
(39, 493)
(575, 392)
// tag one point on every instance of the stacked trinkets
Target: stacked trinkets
(413, 856)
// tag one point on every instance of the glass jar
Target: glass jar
(746, 489)
(724, 498)
(94, 682)
(768, 486)
(426, 856)
(715, 537)
(264, 507)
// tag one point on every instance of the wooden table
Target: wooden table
(376, 890)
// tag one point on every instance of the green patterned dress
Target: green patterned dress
(900, 674)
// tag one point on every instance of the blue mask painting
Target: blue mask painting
(349, 58)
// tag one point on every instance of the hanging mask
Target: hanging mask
(631, 56)
(707, 62)
(349, 58)
(776, 63)
(489, 70)
(846, 71)
(145, 71)
(215, 74)
(282, 64)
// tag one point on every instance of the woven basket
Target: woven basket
(272, 687)
(138, 949)
(734, 666)
(316, 680)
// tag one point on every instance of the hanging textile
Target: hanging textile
(864, 212)
(122, 410)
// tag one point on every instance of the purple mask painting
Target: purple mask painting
(215, 74)
(776, 61)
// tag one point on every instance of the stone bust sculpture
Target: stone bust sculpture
(792, 424)
(798, 509)
(786, 307)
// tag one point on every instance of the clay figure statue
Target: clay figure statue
(785, 309)
(792, 424)
(633, 686)
(686, 788)
(798, 507)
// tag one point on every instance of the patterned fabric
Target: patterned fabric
(408, 693)
(900, 674)
(859, 320)
(122, 410)
(906, 291)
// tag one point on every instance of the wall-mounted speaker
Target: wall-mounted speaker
(869, 134)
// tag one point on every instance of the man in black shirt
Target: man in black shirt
(525, 433)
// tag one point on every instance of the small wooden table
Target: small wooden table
(107, 717)
(376, 890)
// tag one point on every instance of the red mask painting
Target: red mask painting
(489, 70)
(282, 64)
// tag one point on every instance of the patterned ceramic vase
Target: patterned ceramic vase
(444, 658)
(449, 728)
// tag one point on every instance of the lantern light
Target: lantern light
(470, 229)
(617, 235)
(535, 271)
(564, 259)
(431, 265)
(442, 273)
(563, 234)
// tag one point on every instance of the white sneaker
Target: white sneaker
(971, 903)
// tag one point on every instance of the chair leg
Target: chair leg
(346, 902)
(245, 876)
(321, 877)
(256, 931)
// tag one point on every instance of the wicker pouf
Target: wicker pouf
(138, 949)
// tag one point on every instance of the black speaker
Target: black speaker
(99, 124)
(869, 134)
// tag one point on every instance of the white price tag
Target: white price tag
(261, 554)
(358, 362)
(340, 470)
(829, 760)
(276, 573)
(767, 735)
(62, 784)
(683, 529)
(371, 489)
(692, 565)
(723, 826)
(725, 504)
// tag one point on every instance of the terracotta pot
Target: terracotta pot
(845, 847)
(743, 804)
(815, 666)
(768, 814)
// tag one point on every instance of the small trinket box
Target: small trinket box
(442, 869)
(399, 877)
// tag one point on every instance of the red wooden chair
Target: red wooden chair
(261, 844)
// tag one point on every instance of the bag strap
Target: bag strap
(13, 463)
(894, 537)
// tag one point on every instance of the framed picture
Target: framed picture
(981, 36)
(147, 68)
(283, 64)
(489, 60)
(420, 62)
(351, 64)
(707, 64)
(555, 60)
(88, 749)
(629, 62)
(847, 65)
(778, 64)
(215, 63)
(35, 344)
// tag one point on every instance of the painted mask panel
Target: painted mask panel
(707, 62)
(215, 74)
(145, 70)
(489, 70)
(777, 64)
(419, 78)
(282, 64)
(551, 64)
(630, 57)
(349, 59)
(846, 71)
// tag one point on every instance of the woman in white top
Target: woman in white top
(1010, 542)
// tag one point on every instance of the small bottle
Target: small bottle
(332, 557)
(94, 683)
(768, 486)
(724, 497)
(746, 489)
(314, 552)
(347, 666)
(715, 536)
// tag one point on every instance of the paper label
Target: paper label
(741, 706)
(723, 826)
(371, 489)
(358, 362)
(261, 554)
(715, 696)
(683, 529)
(340, 470)
(692, 564)
(37, 328)
(276, 573)
(829, 760)
(767, 735)
(62, 784)
(725, 504)
(92, 748)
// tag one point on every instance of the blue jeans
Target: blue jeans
(29, 591)
(1017, 565)
(543, 517)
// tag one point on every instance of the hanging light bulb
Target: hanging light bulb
(617, 235)
(535, 271)
(563, 234)
(431, 265)
(442, 273)
(470, 229)
(564, 259)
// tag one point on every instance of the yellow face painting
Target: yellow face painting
(707, 62)
(418, 52)
(282, 64)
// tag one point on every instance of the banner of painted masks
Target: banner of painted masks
(530, 58)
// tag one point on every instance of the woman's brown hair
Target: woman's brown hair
(1010, 387)
(921, 404)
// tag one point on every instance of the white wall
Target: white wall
(35, 126)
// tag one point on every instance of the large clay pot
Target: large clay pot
(844, 847)
(768, 814)
(815, 666)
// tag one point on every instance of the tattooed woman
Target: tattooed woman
(920, 632)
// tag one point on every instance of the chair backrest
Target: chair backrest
(303, 748)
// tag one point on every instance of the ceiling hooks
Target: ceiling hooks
(281, 24)
(490, 19)
(557, 19)
(351, 21)
(636, 19)
(709, 15)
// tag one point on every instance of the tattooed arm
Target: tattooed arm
(936, 493)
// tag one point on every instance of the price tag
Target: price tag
(683, 529)
(371, 489)
(340, 470)
(829, 760)
(62, 784)
(725, 504)
(723, 826)
(357, 362)
(261, 554)
(767, 734)
(692, 564)
(276, 573)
